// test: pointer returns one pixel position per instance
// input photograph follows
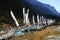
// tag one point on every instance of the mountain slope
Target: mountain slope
(35, 8)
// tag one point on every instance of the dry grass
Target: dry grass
(5, 26)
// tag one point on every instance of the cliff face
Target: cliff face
(35, 8)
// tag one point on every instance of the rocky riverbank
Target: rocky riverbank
(39, 35)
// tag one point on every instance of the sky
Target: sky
(55, 3)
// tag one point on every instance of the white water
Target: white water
(38, 19)
(33, 20)
(50, 21)
(42, 18)
(16, 22)
(25, 17)
(45, 22)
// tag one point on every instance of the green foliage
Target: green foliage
(0, 30)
